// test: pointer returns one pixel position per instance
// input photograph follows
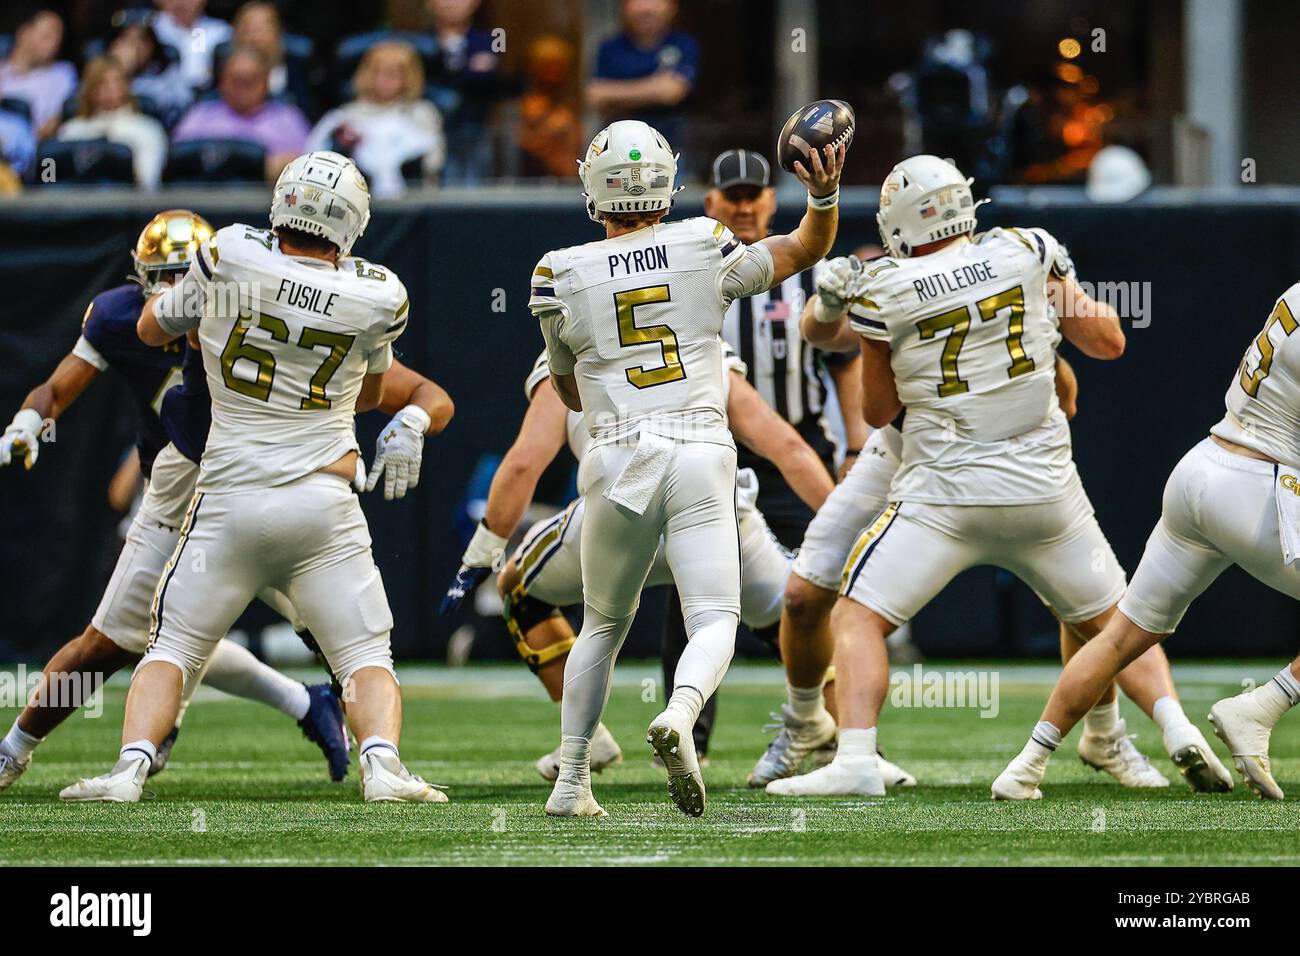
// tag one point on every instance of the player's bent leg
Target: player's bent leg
(807, 648)
(862, 681)
(76, 671)
(1245, 723)
(1105, 743)
(541, 633)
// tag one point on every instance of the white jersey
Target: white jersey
(637, 318)
(973, 341)
(576, 425)
(1263, 402)
(287, 343)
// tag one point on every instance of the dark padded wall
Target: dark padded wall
(1213, 270)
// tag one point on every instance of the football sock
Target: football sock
(686, 703)
(708, 653)
(575, 760)
(1275, 697)
(1042, 742)
(19, 743)
(588, 671)
(137, 749)
(856, 743)
(1168, 713)
(380, 746)
(804, 702)
(1102, 719)
(236, 671)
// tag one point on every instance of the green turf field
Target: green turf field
(245, 788)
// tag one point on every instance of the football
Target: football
(812, 127)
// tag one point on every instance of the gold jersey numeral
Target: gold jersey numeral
(260, 386)
(958, 321)
(1281, 316)
(630, 334)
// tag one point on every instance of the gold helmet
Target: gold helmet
(167, 245)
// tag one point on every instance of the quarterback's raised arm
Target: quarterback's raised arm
(808, 245)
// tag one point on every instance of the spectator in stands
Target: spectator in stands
(153, 73)
(647, 70)
(257, 25)
(389, 124)
(465, 83)
(33, 74)
(183, 25)
(105, 110)
(550, 132)
(245, 112)
(17, 143)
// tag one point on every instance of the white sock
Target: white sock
(686, 703)
(588, 670)
(1274, 698)
(1168, 713)
(804, 702)
(575, 760)
(234, 670)
(1102, 719)
(19, 743)
(377, 744)
(137, 749)
(711, 643)
(1042, 742)
(856, 743)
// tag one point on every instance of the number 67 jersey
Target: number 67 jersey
(973, 338)
(287, 343)
(640, 316)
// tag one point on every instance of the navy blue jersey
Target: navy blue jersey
(109, 329)
(187, 408)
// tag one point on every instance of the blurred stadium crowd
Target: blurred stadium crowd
(438, 92)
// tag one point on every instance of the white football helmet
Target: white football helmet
(924, 199)
(629, 168)
(324, 194)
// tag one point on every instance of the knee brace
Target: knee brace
(523, 613)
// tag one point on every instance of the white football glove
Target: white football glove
(833, 287)
(398, 452)
(22, 438)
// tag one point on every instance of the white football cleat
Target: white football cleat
(384, 779)
(1117, 755)
(123, 784)
(1237, 722)
(1191, 754)
(572, 797)
(11, 768)
(842, 777)
(794, 741)
(893, 774)
(675, 746)
(1019, 781)
(605, 752)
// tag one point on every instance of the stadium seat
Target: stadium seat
(88, 162)
(202, 161)
(11, 104)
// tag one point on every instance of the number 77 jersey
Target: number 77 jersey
(637, 319)
(287, 343)
(972, 337)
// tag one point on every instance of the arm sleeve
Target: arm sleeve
(89, 354)
(745, 270)
(558, 354)
(380, 358)
(540, 373)
(866, 315)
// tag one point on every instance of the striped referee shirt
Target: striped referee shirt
(790, 375)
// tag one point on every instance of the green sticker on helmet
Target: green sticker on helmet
(634, 155)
